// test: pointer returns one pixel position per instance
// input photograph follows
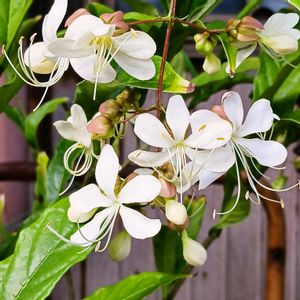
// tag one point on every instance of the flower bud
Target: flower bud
(167, 170)
(212, 64)
(79, 12)
(119, 247)
(101, 126)
(78, 217)
(111, 109)
(176, 212)
(193, 252)
(204, 44)
(115, 18)
(129, 99)
(168, 189)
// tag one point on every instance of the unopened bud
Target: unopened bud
(119, 248)
(168, 189)
(176, 212)
(101, 126)
(212, 64)
(111, 109)
(218, 109)
(115, 18)
(204, 43)
(167, 170)
(129, 99)
(193, 252)
(78, 217)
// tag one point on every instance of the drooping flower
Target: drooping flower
(38, 59)
(277, 37)
(193, 252)
(211, 134)
(267, 153)
(141, 189)
(91, 46)
(76, 129)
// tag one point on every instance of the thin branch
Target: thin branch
(136, 113)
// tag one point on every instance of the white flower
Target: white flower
(193, 252)
(175, 145)
(37, 58)
(141, 189)
(75, 129)
(266, 152)
(277, 38)
(176, 212)
(91, 46)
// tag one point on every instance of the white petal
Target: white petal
(212, 64)
(244, 53)
(213, 135)
(207, 177)
(78, 116)
(142, 69)
(107, 170)
(218, 160)
(78, 217)
(71, 133)
(279, 24)
(91, 230)
(259, 118)
(137, 225)
(85, 68)
(136, 44)
(233, 107)
(63, 47)
(36, 60)
(143, 171)
(178, 117)
(267, 153)
(88, 198)
(201, 118)
(190, 176)
(142, 188)
(151, 159)
(86, 24)
(152, 132)
(53, 20)
(282, 44)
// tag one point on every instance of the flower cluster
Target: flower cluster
(181, 151)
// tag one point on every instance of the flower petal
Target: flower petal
(259, 118)
(207, 177)
(84, 67)
(281, 44)
(242, 54)
(213, 135)
(152, 132)
(90, 231)
(267, 153)
(137, 225)
(178, 117)
(142, 69)
(136, 44)
(107, 170)
(78, 217)
(233, 107)
(88, 198)
(151, 159)
(218, 160)
(142, 188)
(190, 177)
(200, 118)
(53, 20)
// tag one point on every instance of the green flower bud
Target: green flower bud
(111, 109)
(204, 43)
(129, 99)
(119, 247)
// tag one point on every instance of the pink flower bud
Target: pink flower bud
(168, 189)
(115, 18)
(111, 109)
(101, 126)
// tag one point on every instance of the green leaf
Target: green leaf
(98, 9)
(134, 287)
(4, 15)
(206, 84)
(15, 115)
(41, 258)
(267, 73)
(203, 8)
(35, 118)
(172, 83)
(135, 16)
(229, 50)
(57, 175)
(294, 116)
(142, 7)
(84, 95)
(249, 8)
(17, 12)
(3, 268)
(296, 3)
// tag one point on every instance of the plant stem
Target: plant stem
(164, 56)
(141, 111)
